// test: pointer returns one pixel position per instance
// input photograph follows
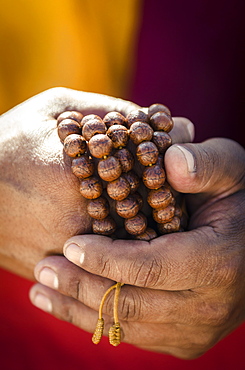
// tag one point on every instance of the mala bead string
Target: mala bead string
(115, 331)
(102, 161)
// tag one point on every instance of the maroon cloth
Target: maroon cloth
(190, 58)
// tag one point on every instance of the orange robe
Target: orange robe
(86, 45)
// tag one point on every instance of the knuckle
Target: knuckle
(195, 343)
(103, 266)
(203, 342)
(77, 291)
(67, 313)
(146, 272)
(130, 307)
(214, 315)
(69, 317)
(221, 316)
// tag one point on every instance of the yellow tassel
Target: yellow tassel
(98, 331)
(115, 334)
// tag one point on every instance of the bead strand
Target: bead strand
(165, 212)
(106, 139)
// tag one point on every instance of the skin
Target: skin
(40, 203)
(183, 292)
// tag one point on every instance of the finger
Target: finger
(183, 354)
(183, 341)
(214, 167)
(172, 262)
(183, 130)
(135, 304)
(58, 273)
(64, 308)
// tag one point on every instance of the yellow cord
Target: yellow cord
(116, 300)
(104, 298)
(115, 331)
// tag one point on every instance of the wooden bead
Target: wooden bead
(169, 227)
(109, 169)
(93, 127)
(128, 207)
(161, 121)
(91, 188)
(118, 189)
(133, 180)
(147, 153)
(136, 225)
(74, 115)
(140, 131)
(159, 198)
(68, 127)
(153, 177)
(154, 108)
(98, 208)
(114, 118)
(163, 215)
(118, 135)
(148, 235)
(75, 145)
(107, 226)
(136, 115)
(100, 145)
(90, 117)
(125, 158)
(162, 140)
(83, 166)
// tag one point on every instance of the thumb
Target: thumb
(214, 167)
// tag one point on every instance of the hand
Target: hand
(41, 206)
(40, 202)
(184, 291)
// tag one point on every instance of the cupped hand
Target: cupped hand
(183, 292)
(40, 203)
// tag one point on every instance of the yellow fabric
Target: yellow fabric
(82, 44)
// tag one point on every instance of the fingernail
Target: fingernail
(74, 253)
(42, 302)
(190, 160)
(48, 277)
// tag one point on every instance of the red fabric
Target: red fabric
(33, 340)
